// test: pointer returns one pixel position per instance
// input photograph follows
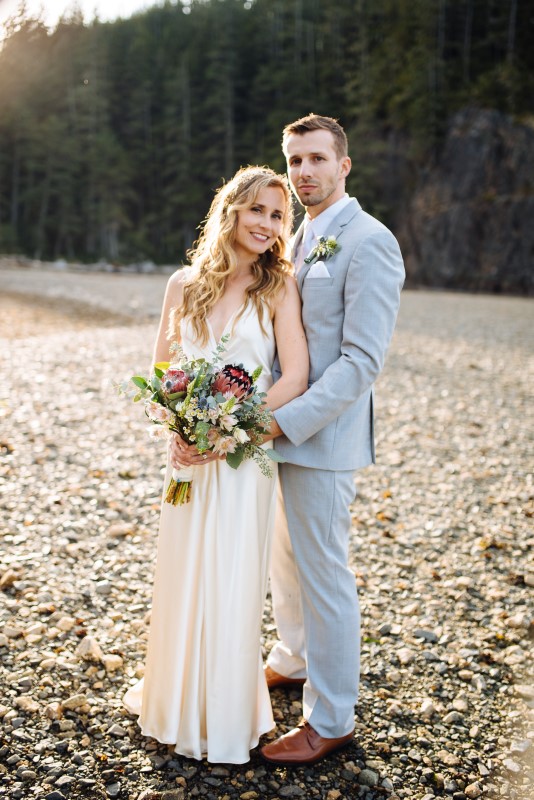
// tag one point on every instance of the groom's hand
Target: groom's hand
(274, 431)
(186, 455)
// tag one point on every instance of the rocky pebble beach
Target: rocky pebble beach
(441, 548)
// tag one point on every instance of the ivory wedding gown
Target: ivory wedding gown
(203, 689)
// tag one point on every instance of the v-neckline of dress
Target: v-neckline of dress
(230, 318)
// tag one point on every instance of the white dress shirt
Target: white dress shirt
(317, 227)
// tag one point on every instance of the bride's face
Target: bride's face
(259, 226)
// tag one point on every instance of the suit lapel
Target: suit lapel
(295, 244)
(338, 225)
(301, 274)
(345, 216)
(296, 240)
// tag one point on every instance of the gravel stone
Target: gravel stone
(525, 691)
(511, 765)
(368, 778)
(405, 655)
(449, 759)
(65, 781)
(27, 704)
(440, 546)
(428, 636)
(473, 791)
(74, 702)
(112, 663)
(453, 717)
(117, 730)
(89, 649)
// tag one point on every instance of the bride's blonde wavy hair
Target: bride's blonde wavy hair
(213, 259)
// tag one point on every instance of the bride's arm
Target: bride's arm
(291, 346)
(173, 298)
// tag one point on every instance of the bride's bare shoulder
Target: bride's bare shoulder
(176, 282)
(179, 277)
(290, 285)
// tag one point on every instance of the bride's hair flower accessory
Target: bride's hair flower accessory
(326, 247)
(216, 407)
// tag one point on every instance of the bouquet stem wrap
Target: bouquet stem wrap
(179, 489)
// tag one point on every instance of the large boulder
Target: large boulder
(470, 222)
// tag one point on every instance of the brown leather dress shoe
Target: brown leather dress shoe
(274, 680)
(302, 745)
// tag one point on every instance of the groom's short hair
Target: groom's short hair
(314, 122)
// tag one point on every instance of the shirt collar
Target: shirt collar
(322, 222)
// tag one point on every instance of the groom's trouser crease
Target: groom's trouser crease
(315, 567)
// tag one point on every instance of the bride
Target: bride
(204, 690)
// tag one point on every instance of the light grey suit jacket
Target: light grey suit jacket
(349, 320)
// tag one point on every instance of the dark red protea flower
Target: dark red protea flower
(174, 380)
(232, 380)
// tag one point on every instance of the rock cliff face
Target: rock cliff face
(470, 222)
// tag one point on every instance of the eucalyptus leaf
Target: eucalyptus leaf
(139, 381)
(274, 456)
(234, 459)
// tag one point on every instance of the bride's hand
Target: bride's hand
(187, 455)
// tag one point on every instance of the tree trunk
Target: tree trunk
(15, 189)
(186, 113)
(297, 49)
(43, 211)
(229, 126)
(511, 31)
(440, 46)
(466, 54)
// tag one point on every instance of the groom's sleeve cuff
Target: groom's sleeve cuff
(287, 422)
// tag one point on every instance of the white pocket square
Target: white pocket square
(317, 270)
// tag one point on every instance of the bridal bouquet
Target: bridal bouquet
(216, 407)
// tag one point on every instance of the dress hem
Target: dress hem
(205, 756)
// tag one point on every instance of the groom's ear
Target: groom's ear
(346, 166)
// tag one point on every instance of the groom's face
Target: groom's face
(316, 172)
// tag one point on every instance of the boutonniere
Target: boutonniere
(326, 247)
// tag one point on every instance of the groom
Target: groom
(350, 283)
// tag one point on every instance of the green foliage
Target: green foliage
(234, 459)
(274, 455)
(256, 374)
(114, 136)
(201, 435)
(139, 381)
(160, 368)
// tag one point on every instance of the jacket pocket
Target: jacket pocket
(317, 283)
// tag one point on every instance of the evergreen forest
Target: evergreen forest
(113, 136)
